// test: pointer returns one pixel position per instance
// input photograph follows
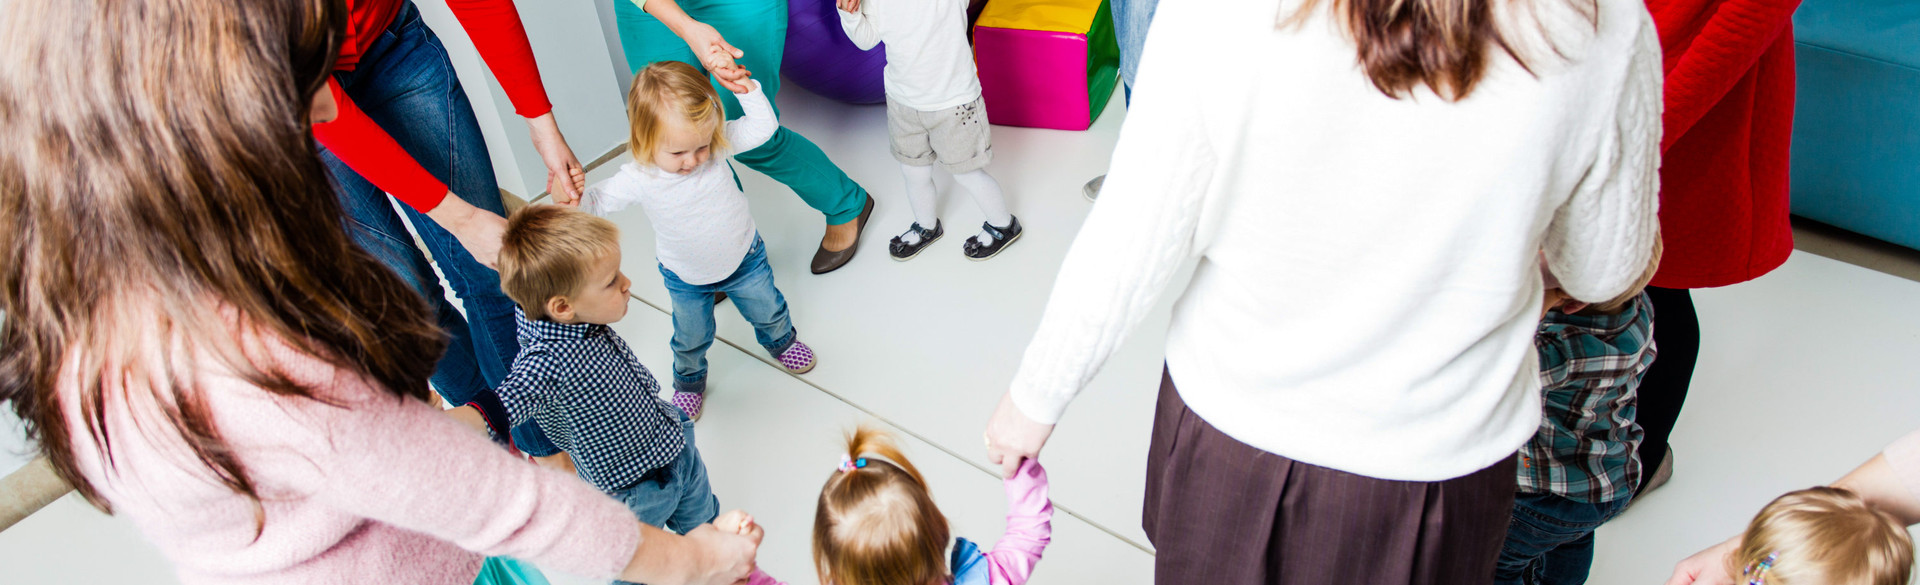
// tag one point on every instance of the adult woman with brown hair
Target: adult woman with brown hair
(197, 345)
(1368, 185)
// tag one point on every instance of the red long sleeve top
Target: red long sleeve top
(1729, 124)
(496, 31)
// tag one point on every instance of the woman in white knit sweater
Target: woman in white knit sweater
(1368, 185)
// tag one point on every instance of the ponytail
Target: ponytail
(864, 441)
(876, 523)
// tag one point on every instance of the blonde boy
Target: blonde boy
(577, 387)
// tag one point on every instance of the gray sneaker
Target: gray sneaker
(1092, 190)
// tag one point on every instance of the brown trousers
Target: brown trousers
(1221, 512)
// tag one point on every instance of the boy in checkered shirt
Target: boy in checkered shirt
(576, 386)
(1580, 469)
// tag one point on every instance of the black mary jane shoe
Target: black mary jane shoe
(903, 251)
(1002, 237)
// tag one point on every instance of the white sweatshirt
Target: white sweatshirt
(1368, 283)
(701, 225)
(929, 63)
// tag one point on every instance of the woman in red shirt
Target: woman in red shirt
(405, 128)
(1723, 179)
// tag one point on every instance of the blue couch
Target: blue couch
(1856, 127)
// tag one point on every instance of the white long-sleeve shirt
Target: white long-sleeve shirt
(929, 63)
(1368, 283)
(701, 225)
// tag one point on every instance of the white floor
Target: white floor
(1803, 374)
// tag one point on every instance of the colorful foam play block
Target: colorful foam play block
(1046, 63)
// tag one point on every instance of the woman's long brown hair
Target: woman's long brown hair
(158, 184)
(1403, 44)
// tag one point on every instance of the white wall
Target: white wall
(571, 43)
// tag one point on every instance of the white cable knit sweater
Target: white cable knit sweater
(1368, 284)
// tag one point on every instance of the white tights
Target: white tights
(921, 196)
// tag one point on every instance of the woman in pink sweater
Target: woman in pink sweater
(197, 346)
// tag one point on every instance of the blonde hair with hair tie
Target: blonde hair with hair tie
(1822, 536)
(876, 523)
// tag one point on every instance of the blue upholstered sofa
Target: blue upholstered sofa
(1856, 128)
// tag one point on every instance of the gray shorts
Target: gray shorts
(955, 137)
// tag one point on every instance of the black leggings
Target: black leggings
(1676, 336)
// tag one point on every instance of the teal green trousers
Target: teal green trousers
(759, 28)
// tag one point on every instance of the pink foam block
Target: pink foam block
(1036, 79)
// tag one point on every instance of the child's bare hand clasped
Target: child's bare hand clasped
(741, 523)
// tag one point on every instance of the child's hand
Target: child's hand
(734, 78)
(1558, 299)
(557, 187)
(470, 416)
(560, 461)
(849, 5)
(739, 522)
(733, 521)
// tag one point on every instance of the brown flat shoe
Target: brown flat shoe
(825, 261)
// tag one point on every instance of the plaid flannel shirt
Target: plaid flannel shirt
(1590, 370)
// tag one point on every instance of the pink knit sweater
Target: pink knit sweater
(375, 490)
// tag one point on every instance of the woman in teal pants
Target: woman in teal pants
(652, 30)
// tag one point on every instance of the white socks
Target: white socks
(921, 196)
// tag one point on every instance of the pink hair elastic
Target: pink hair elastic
(848, 463)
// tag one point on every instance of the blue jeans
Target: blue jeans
(1130, 21)
(405, 83)
(1550, 540)
(751, 288)
(676, 498)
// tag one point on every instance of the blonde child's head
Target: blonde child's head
(1822, 536)
(562, 264)
(876, 524)
(677, 118)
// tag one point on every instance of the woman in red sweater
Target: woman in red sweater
(405, 128)
(1723, 179)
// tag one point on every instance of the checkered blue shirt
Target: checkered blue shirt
(593, 399)
(1590, 370)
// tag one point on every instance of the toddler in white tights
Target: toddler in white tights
(934, 114)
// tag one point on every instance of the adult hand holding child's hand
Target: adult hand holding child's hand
(849, 5)
(1011, 436)
(734, 78)
(739, 522)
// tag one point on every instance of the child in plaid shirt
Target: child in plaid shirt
(1580, 469)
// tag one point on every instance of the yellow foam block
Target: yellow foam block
(1065, 16)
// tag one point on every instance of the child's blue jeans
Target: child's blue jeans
(1550, 540)
(676, 498)
(751, 289)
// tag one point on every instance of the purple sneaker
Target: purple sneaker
(690, 403)
(798, 358)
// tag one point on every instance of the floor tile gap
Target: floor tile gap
(943, 448)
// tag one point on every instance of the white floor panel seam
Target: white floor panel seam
(904, 429)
